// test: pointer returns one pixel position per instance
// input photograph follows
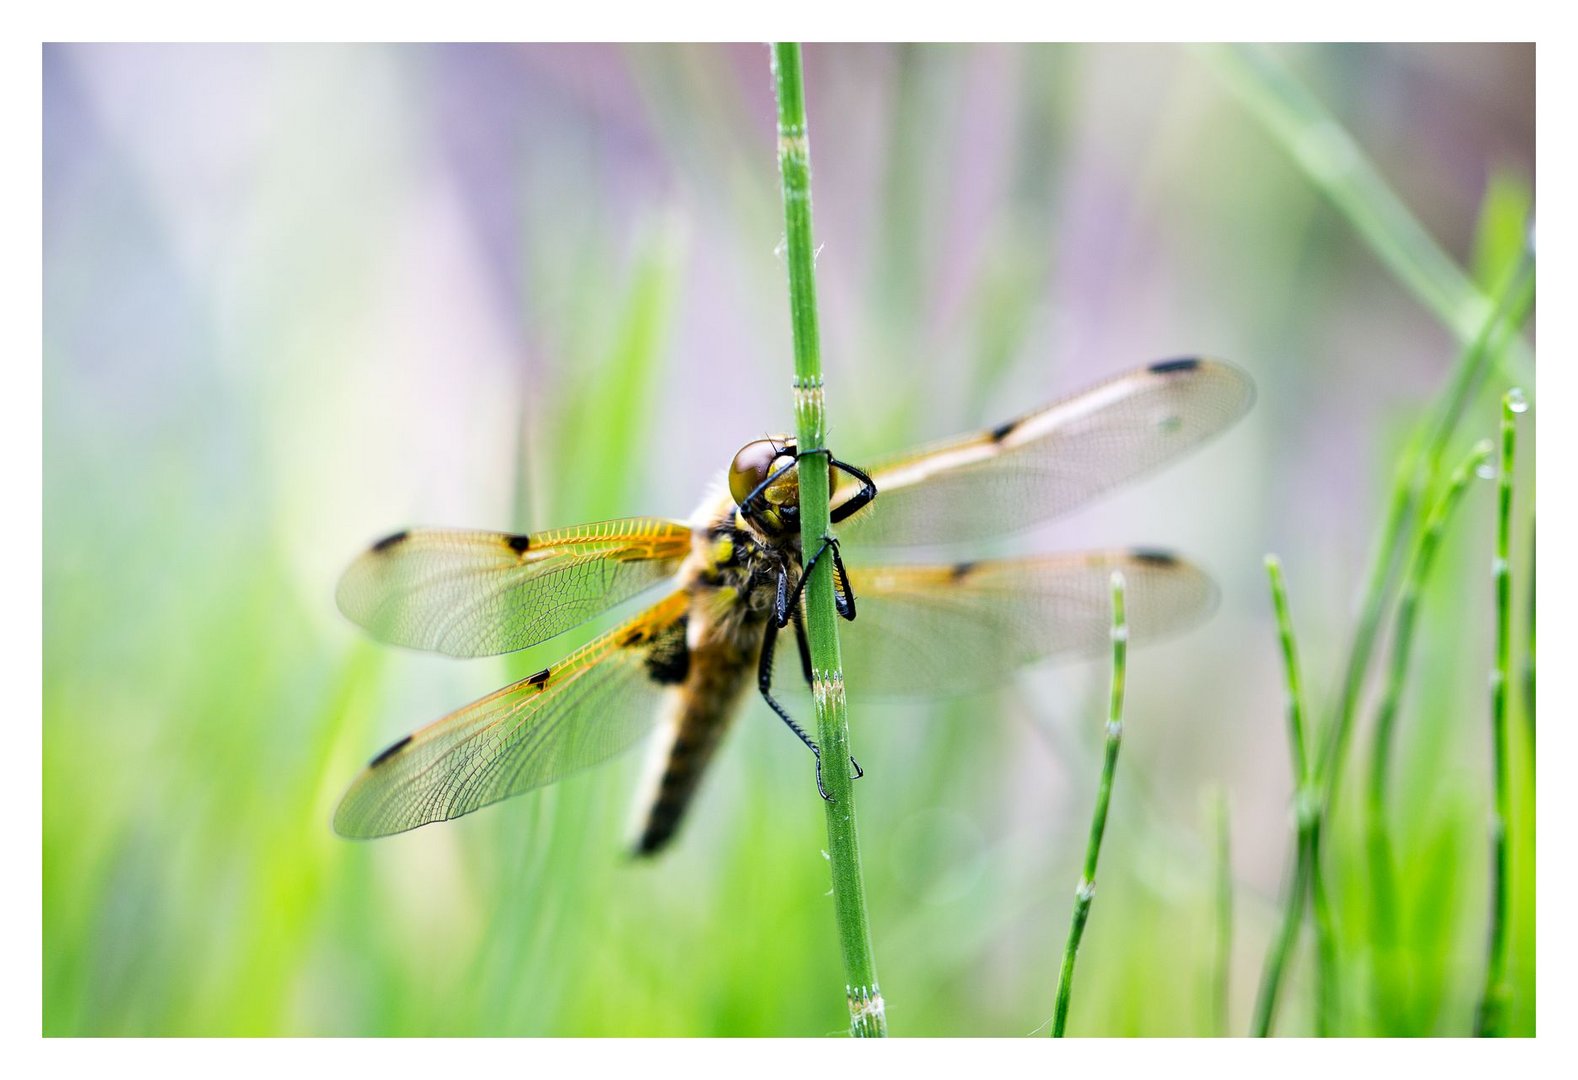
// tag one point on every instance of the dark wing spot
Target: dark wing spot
(540, 679)
(388, 753)
(635, 637)
(391, 540)
(1167, 367)
(519, 543)
(962, 570)
(1002, 431)
(1154, 557)
(668, 657)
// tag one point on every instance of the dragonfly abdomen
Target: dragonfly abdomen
(697, 714)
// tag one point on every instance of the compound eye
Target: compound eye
(754, 463)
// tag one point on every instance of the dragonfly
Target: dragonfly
(733, 574)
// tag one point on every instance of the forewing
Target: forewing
(944, 630)
(1049, 461)
(483, 593)
(577, 713)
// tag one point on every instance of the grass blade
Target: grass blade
(1416, 474)
(1098, 819)
(1384, 925)
(1528, 664)
(1307, 813)
(1491, 1016)
(1419, 465)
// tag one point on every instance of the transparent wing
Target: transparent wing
(943, 630)
(483, 593)
(1050, 461)
(595, 703)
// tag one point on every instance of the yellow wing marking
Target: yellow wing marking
(470, 593)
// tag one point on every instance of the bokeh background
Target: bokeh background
(297, 297)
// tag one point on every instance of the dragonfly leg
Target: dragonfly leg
(843, 592)
(764, 682)
(785, 613)
(803, 642)
(861, 498)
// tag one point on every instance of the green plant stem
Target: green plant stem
(868, 1015)
(1339, 168)
(1326, 1016)
(1491, 1016)
(1086, 890)
(1528, 663)
(1224, 918)
(1415, 476)
(1383, 883)
(1306, 812)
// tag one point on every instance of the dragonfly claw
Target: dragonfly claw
(817, 753)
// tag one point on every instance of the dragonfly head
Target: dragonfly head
(769, 501)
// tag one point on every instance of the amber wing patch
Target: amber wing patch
(482, 593)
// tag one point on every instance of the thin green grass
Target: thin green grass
(1528, 661)
(1390, 984)
(1339, 168)
(1491, 1015)
(1086, 890)
(867, 1011)
(1306, 812)
(1414, 481)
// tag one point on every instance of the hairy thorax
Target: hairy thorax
(733, 573)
